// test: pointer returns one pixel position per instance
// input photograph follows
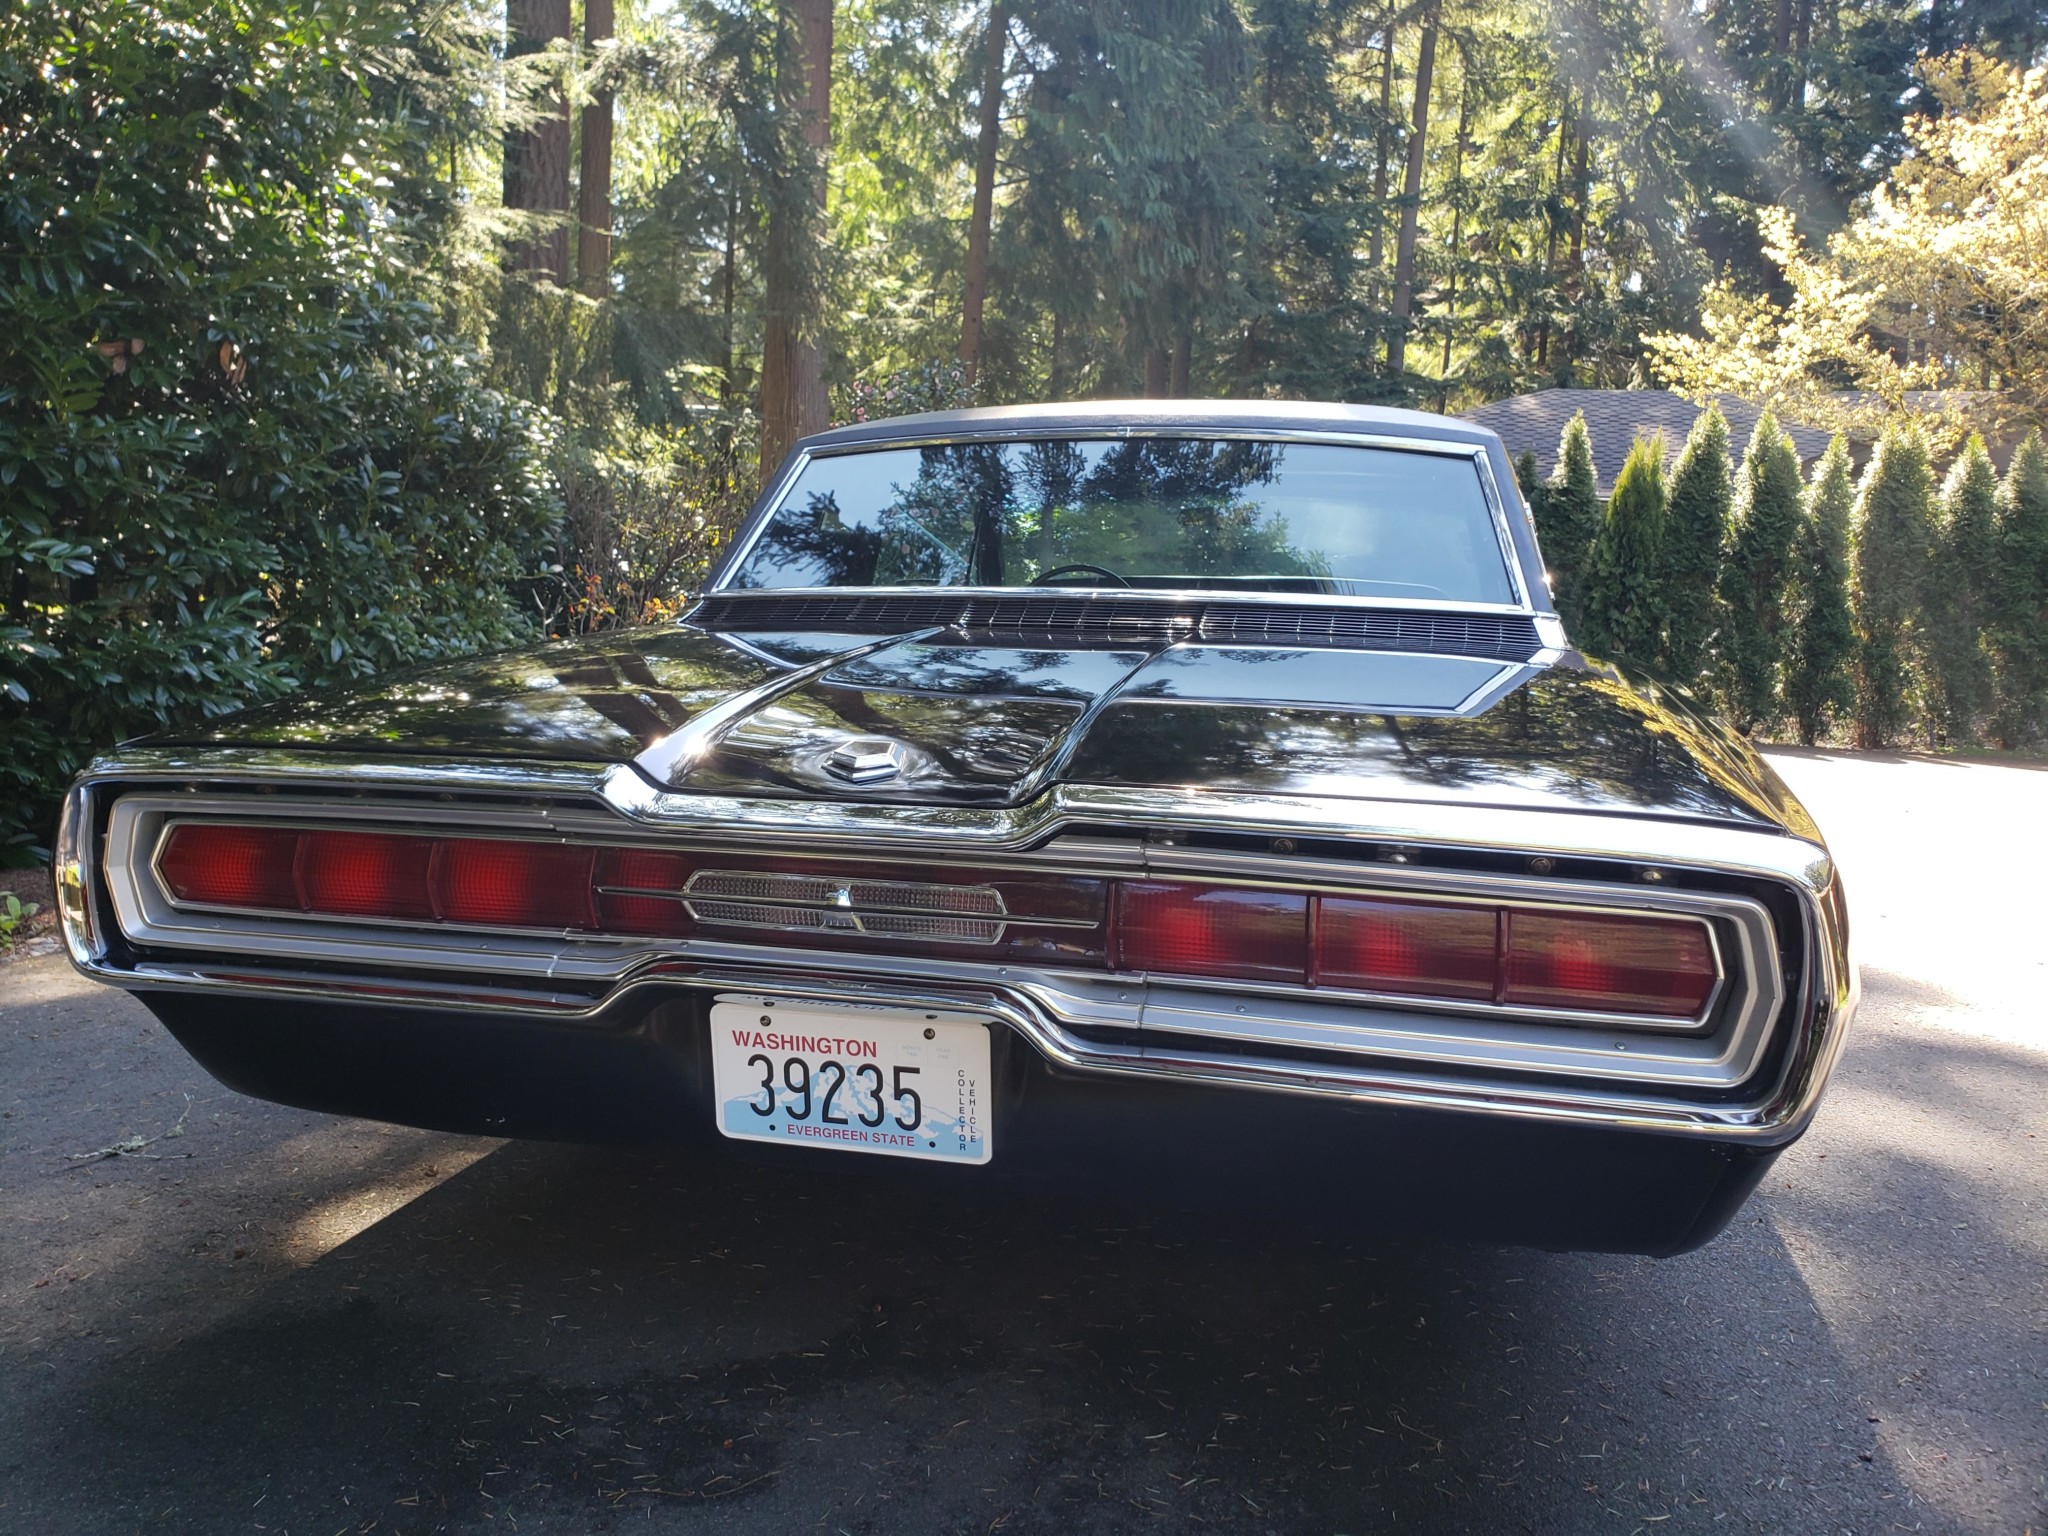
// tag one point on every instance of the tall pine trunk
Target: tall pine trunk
(1457, 223)
(1382, 150)
(793, 400)
(1575, 259)
(975, 289)
(537, 155)
(1411, 197)
(594, 170)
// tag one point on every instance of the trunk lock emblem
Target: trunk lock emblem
(867, 760)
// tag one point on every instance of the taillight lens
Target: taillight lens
(622, 873)
(1209, 930)
(1412, 948)
(513, 884)
(1631, 965)
(1607, 964)
(1580, 962)
(365, 874)
(225, 866)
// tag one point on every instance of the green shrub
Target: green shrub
(1958, 597)
(1893, 539)
(1820, 652)
(1568, 517)
(1622, 607)
(2018, 628)
(1695, 526)
(238, 452)
(1753, 576)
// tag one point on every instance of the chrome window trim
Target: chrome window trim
(1518, 580)
(1442, 1033)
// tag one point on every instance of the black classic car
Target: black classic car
(1196, 803)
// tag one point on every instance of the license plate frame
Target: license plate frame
(926, 1073)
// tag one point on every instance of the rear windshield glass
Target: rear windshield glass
(1147, 512)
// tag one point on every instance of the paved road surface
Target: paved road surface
(279, 1322)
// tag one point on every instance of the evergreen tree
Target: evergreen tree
(1568, 517)
(1695, 527)
(1958, 599)
(2019, 598)
(1752, 644)
(1820, 679)
(1893, 536)
(1622, 616)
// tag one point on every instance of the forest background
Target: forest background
(341, 336)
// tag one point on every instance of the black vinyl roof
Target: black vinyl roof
(1193, 416)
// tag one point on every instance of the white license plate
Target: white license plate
(901, 1082)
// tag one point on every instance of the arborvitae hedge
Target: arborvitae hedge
(1568, 516)
(1958, 598)
(1820, 652)
(2018, 628)
(1621, 609)
(1753, 576)
(1695, 527)
(1893, 541)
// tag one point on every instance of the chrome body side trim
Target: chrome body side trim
(591, 799)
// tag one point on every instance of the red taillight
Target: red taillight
(1638, 965)
(1410, 948)
(365, 874)
(623, 872)
(1209, 930)
(513, 884)
(221, 866)
(1580, 962)
(1607, 964)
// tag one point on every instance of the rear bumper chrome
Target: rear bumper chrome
(1753, 1079)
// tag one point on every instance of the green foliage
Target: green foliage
(1622, 601)
(1568, 517)
(1959, 595)
(1753, 576)
(13, 915)
(1893, 540)
(1820, 679)
(239, 451)
(934, 387)
(645, 512)
(2018, 630)
(1696, 526)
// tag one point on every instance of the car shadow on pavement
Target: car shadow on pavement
(581, 1340)
(574, 1339)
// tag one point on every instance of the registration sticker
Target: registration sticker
(900, 1082)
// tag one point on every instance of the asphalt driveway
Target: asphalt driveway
(251, 1319)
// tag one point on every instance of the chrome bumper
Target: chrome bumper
(1117, 1026)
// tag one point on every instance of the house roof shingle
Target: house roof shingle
(1614, 419)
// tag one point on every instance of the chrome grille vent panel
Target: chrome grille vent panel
(957, 914)
(1134, 620)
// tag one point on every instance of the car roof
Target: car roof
(1192, 416)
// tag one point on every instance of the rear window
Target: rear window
(1146, 512)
